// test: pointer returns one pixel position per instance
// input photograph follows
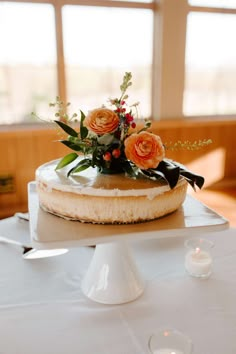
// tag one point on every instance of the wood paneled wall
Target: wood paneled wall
(23, 150)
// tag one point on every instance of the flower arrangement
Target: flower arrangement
(108, 140)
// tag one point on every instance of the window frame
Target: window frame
(58, 4)
(168, 44)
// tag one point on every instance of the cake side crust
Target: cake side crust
(111, 210)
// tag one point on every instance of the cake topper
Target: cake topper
(109, 140)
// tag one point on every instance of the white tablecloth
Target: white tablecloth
(43, 310)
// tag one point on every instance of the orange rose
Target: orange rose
(145, 150)
(102, 121)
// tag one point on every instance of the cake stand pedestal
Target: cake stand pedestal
(112, 277)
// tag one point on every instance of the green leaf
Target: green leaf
(72, 145)
(66, 128)
(94, 157)
(66, 160)
(191, 178)
(154, 174)
(82, 115)
(81, 166)
(83, 130)
(170, 171)
(127, 167)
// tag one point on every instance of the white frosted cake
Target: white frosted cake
(99, 198)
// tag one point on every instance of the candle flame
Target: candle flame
(197, 250)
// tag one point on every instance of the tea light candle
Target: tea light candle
(198, 262)
(170, 341)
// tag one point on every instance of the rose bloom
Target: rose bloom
(144, 149)
(101, 121)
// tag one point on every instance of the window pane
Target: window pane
(214, 3)
(100, 45)
(210, 86)
(27, 60)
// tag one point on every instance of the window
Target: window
(182, 55)
(95, 62)
(28, 76)
(77, 52)
(210, 67)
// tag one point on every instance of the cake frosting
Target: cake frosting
(99, 198)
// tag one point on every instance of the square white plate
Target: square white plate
(50, 231)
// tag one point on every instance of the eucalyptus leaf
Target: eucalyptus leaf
(83, 129)
(66, 128)
(66, 160)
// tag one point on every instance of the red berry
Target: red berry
(133, 125)
(129, 118)
(107, 156)
(116, 153)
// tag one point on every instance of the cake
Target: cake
(102, 198)
(116, 172)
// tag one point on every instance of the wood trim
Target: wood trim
(97, 3)
(169, 59)
(220, 10)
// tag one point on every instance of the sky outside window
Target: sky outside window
(27, 59)
(210, 74)
(100, 45)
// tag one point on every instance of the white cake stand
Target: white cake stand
(112, 276)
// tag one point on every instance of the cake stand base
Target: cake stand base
(112, 276)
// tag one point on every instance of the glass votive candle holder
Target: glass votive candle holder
(170, 341)
(198, 260)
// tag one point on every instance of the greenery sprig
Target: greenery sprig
(187, 145)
